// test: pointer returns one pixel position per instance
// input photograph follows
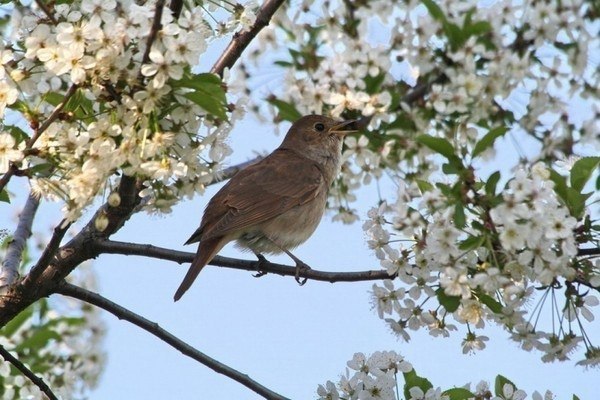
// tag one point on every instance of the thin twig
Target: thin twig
(153, 328)
(53, 116)
(49, 252)
(156, 26)
(37, 381)
(241, 40)
(589, 252)
(146, 250)
(10, 266)
(46, 11)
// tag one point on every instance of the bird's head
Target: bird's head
(317, 134)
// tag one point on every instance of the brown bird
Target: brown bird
(276, 204)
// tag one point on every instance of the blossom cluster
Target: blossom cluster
(441, 68)
(376, 378)
(473, 274)
(130, 103)
(62, 343)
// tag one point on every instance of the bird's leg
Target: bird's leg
(299, 265)
(261, 262)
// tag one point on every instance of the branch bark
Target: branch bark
(146, 250)
(37, 381)
(79, 249)
(14, 252)
(153, 328)
(72, 254)
(241, 40)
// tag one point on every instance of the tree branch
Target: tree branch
(146, 250)
(72, 254)
(46, 11)
(153, 328)
(10, 266)
(241, 40)
(589, 252)
(48, 253)
(156, 26)
(79, 249)
(37, 381)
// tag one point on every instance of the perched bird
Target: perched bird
(276, 204)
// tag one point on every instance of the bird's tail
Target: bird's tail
(206, 252)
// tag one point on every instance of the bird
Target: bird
(274, 205)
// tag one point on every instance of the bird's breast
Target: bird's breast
(288, 230)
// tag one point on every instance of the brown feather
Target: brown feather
(252, 198)
(206, 252)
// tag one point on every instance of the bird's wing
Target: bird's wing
(260, 192)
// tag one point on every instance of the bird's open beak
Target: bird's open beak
(344, 128)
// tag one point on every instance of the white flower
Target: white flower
(455, 283)
(8, 95)
(161, 69)
(328, 392)
(509, 393)
(8, 153)
(473, 342)
(560, 226)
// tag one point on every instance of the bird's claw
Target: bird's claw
(301, 266)
(260, 264)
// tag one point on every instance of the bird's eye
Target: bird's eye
(320, 127)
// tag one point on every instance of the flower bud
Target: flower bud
(101, 222)
(114, 199)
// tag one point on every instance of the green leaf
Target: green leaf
(287, 111)
(499, 385)
(488, 140)
(43, 169)
(411, 379)
(434, 10)
(582, 171)
(38, 339)
(373, 83)
(456, 36)
(459, 216)
(560, 184)
(477, 29)
(424, 186)
(207, 102)
(4, 198)
(451, 168)
(492, 303)
(285, 64)
(471, 243)
(53, 98)
(207, 78)
(10, 328)
(439, 145)
(17, 133)
(574, 200)
(492, 182)
(20, 106)
(575, 397)
(450, 303)
(208, 92)
(458, 394)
